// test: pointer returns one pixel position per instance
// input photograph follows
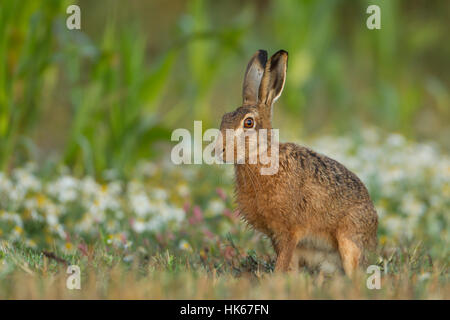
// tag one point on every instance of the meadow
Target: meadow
(171, 232)
(86, 118)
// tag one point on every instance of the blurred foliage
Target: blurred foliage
(105, 96)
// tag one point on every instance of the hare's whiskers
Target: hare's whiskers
(253, 178)
(249, 177)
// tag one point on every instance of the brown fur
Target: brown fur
(314, 210)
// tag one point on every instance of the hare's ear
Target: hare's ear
(253, 76)
(274, 78)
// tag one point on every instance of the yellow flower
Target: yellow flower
(26, 213)
(383, 240)
(112, 238)
(48, 239)
(446, 190)
(31, 243)
(184, 245)
(68, 246)
(18, 230)
(41, 200)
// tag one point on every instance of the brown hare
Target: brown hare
(316, 212)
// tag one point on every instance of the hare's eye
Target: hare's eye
(249, 123)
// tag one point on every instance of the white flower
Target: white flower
(395, 140)
(424, 276)
(17, 194)
(394, 224)
(51, 208)
(146, 169)
(30, 203)
(140, 204)
(370, 135)
(134, 186)
(381, 211)
(14, 217)
(89, 186)
(60, 231)
(177, 214)
(115, 188)
(97, 212)
(216, 206)
(110, 174)
(36, 216)
(412, 206)
(86, 224)
(139, 226)
(64, 189)
(159, 194)
(168, 213)
(5, 183)
(51, 219)
(154, 224)
(184, 245)
(128, 258)
(183, 190)
(26, 180)
(119, 214)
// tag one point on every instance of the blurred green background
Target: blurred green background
(111, 93)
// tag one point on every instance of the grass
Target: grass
(411, 274)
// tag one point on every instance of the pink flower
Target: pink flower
(160, 238)
(186, 206)
(170, 236)
(229, 253)
(232, 215)
(123, 238)
(83, 248)
(208, 233)
(221, 193)
(197, 215)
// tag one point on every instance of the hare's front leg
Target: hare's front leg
(285, 248)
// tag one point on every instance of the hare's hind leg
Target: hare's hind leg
(357, 234)
(350, 253)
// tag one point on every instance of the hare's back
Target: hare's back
(320, 170)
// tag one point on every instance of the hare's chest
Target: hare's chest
(264, 211)
(254, 213)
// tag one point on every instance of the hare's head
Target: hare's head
(263, 83)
